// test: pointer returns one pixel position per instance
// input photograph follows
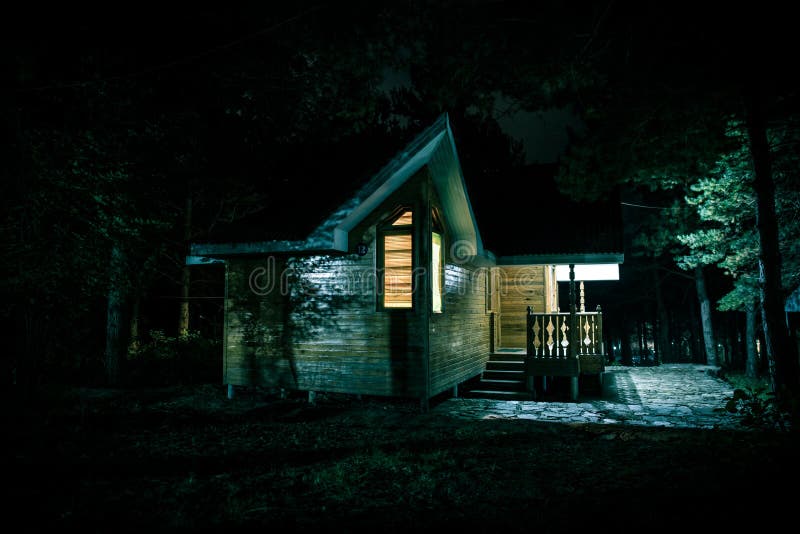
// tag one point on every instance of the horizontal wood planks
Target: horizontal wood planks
(315, 327)
(459, 337)
(519, 286)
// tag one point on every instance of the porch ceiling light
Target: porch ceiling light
(587, 273)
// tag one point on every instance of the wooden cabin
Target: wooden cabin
(394, 293)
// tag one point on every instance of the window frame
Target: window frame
(386, 228)
(438, 228)
(489, 289)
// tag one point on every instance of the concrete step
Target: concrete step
(505, 365)
(507, 356)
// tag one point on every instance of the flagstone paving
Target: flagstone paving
(668, 395)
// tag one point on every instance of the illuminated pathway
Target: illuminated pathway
(669, 395)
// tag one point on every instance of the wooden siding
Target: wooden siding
(323, 334)
(520, 286)
(551, 289)
(459, 337)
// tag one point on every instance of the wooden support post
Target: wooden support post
(601, 340)
(573, 388)
(455, 391)
(231, 391)
(424, 404)
(572, 310)
(529, 354)
(573, 337)
(312, 398)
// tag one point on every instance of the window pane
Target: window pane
(437, 272)
(397, 262)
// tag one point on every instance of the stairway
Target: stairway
(503, 379)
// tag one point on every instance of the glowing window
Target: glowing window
(406, 218)
(397, 270)
(397, 262)
(437, 271)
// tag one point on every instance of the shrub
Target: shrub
(758, 408)
(164, 360)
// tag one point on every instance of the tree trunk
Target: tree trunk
(114, 318)
(739, 346)
(625, 346)
(751, 366)
(134, 344)
(696, 344)
(186, 275)
(723, 341)
(30, 349)
(664, 352)
(781, 352)
(640, 334)
(705, 317)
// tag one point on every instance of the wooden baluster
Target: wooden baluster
(528, 329)
(587, 334)
(564, 345)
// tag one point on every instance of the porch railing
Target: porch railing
(551, 336)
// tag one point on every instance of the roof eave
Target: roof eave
(220, 250)
(572, 258)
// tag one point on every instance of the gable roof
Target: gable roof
(533, 224)
(434, 148)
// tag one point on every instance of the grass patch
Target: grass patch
(188, 458)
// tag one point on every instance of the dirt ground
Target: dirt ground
(187, 458)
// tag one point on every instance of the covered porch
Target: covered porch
(553, 236)
(533, 340)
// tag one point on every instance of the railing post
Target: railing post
(572, 348)
(600, 330)
(573, 337)
(529, 353)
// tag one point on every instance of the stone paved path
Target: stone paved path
(669, 395)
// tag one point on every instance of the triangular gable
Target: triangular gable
(434, 148)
